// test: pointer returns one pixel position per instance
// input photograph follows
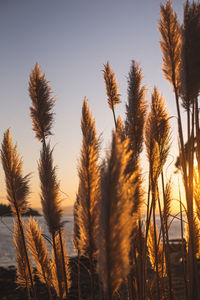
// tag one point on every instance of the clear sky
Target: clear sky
(71, 40)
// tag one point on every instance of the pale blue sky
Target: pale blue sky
(71, 40)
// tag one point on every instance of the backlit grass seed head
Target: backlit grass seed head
(157, 130)
(152, 252)
(50, 195)
(89, 181)
(23, 278)
(190, 60)
(38, 249)
(136, 109)
(170, 43)
(111, 86)
(42, 103)
(115, 218)
(17, 185)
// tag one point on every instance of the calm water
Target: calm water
(7, 249)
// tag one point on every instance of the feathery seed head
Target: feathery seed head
(23, 278)
(136, 109)
(17, 185)
(38, 249)
(89, 184)
(170, 43)
(196, 232)
(111, 86)
(42, 104)
(190, 62)
(50, 197)
(157, 132)
(115, 218)
(152, 252)
(168, 200)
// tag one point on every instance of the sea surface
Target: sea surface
(7, 249)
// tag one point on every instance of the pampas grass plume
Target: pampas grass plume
(170, 43)
(23, 278)
(136, 109)
(152, 253)
(38, 249)
(89, 181)
(50, 198)
(115, 220)
(17, 185)
(42, 104)
(111, 86)
(190, 61)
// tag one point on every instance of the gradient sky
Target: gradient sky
(71, 40)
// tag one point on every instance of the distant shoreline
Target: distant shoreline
(5, 211)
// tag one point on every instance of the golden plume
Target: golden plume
(17, 185)
(38, 249)
(57, 269)
(111, 89)
(170, 43)
(116, 221)
(157, 130)
(136, 109)
(190, 62)
(50, 198)
(152, 253)
(196, 232)
(167, 202)
(89, 181)
(111, 86)
(42, 104)
(23, 277)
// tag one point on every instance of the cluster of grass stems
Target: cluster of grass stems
(108, 225)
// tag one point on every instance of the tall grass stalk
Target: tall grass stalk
(89, 190)
(42, 119)
(115, 220)
(180, 53)
(190, 88)
(136, 109)
(157, 145)
(17, 191)
(38, 249)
